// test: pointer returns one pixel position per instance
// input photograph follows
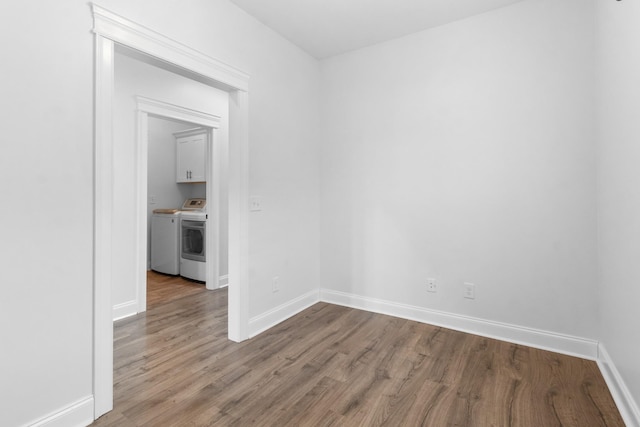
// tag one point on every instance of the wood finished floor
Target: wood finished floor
(335, 366)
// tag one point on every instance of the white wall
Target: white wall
(46, 101)
(619, 192)
(47, 98)
(466, 153)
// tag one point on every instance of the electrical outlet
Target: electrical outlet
(255, 203)
(469, 290)
(275, 284)
(431, 285)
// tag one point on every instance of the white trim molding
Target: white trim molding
(238, 302)
(223, 281)
(559, 343)
(627, 406)
(166, 109)
(125, 309)
(102, 241)
(78, 414)
(264, 321)
(128, 33)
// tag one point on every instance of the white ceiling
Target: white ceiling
(326, 28)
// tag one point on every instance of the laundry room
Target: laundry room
(161, 159)
(175, 177)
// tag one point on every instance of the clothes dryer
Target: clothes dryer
(193, 244)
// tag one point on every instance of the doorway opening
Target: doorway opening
(158, 127)
(113, 30)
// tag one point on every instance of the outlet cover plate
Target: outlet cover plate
(255, 203)
(469, 290)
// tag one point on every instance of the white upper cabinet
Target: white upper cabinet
(191, 147)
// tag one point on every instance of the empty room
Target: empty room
(418, 212)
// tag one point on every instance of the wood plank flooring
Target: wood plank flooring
(335, 366)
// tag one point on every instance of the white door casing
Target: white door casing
(145, 107)
(111, 29)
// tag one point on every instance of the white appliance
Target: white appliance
(165, 241)
(193, 232)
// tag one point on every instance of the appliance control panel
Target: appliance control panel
(194, 204)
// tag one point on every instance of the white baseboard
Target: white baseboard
(125, 309)
(627, 406)
(223, 281)
(559, 343)
(78, 414)
(281, 313)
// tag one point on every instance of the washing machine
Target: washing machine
(165, 241)
(193, 245)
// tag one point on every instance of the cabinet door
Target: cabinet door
(190, 158)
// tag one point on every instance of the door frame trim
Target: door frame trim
(152, 107)
(111, 29)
